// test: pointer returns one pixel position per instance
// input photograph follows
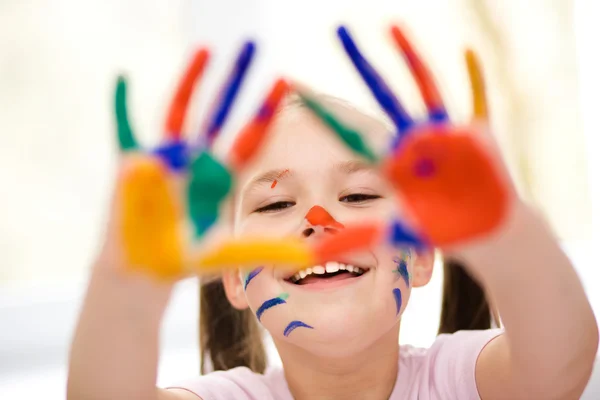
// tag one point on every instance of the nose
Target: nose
(318, 220)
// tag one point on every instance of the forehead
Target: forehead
(296, 132)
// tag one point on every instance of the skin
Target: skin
(115, 348)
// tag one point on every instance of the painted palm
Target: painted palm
(448, 177)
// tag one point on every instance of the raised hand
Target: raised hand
(450, 178)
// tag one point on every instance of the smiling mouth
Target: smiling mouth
(332, 271)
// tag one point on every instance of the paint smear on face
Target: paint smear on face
(402, 267)
(398, 297)
(281, 175)
(271, 303)
(318, 216)
(293, 325)
(251, 276)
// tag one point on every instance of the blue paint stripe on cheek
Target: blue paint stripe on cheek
(251, 276)
(293, 325)
(398, 298)
(268, 304)
(402, 269)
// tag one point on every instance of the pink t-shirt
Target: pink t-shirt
(445, 371)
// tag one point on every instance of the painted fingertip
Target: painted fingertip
(422, 75)
(380, 90)
(125, 136)
(480, 107)
(230, 91)
(349, 136)
(179, 104)
(350, 239)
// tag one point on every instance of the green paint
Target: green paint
(348, 135)
(209, 184)
(127, 141)
(284, 296)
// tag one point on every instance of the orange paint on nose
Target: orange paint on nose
(318, 216)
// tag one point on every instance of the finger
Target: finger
(480, 108)
(179, 104)
(351, 137)
(150, 217)
(423, 77)
(240, 253)
(127, 141)
(209, 184)
(253, 134)
(229, 93)
(401, 235)
(385, 97)
(351, 239)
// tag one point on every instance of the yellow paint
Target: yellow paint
(252, 252)
(150, 218)
(480, 108)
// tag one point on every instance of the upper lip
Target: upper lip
(355, 263)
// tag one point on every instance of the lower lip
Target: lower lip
(330, 283)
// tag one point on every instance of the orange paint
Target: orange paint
(419, 70)
(449, 184)
(179, 104)
(279, 177)
(318, 216)
(352, 239)
(253, 135)
(150, 218)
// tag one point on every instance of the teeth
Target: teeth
(332, 266)
(319, 269)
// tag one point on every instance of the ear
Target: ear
(234, 289)
(422, 266)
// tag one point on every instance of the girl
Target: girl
(336, 326)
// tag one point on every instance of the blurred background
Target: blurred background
(58, 62)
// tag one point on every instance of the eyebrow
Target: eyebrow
(346, 167)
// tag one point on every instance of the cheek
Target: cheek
(394, 270)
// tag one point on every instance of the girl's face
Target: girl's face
(306, 183)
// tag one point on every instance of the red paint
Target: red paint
(419, 70)
(254, 133)
(352, 239)
(318, 216)
(461, 196)
(179, 104)
(279, 177)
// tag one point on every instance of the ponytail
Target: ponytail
(464, 303)
(230, 337)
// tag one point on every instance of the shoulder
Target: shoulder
(238, 383)
(445, 370)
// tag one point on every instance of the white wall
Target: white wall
(57, 65)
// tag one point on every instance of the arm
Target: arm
(551, 335)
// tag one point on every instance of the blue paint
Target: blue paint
(398, 297)
(385, 97)
(251, 276)
(270, 303)
(401, 235)
(402, 268)
(438, 115)
(293, 325)
(174, 154)
(230, 91)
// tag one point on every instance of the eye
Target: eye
(274, 207)
(359, 198)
